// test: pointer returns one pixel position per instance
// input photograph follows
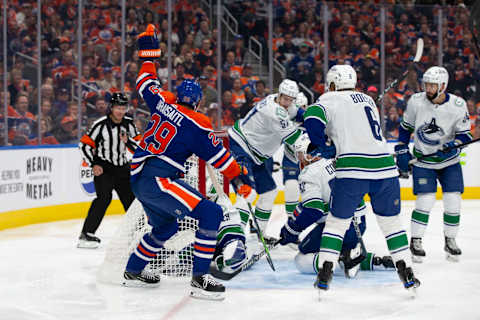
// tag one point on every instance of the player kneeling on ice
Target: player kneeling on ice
(314, 181)
(174, 133)
(439, 122)
(363, 166)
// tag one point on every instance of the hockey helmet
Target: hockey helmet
(117, 99)
(189, 92)
(438, 75)
(343, 76)
(289, 88)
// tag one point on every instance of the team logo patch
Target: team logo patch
(430, 133)
(422, 181)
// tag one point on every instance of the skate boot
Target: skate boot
(452, 251)
(416, 247)
(406, 275)
(88, 241)
(205, 287)
(324, 277)
(141, 279)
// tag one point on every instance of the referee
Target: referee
(104, 147)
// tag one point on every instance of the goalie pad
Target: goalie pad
(230, 253)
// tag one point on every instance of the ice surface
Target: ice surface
(44, 276)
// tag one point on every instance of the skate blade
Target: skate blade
(412, 292)
(82, 244)
(322, 294)
(139, 284)
(198, 293)
(417, 259)
(452, 258)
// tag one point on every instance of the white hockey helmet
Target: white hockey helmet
(289, 88)
(343, 76)
(438, 75)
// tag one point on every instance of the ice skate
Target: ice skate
(88, 241)
(416, 247)
(324, 277)
(142, 279)
(452, 251)
(408, 278)
(206, 287)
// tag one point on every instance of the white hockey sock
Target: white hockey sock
(451, 216)
(263, 209)
(332, 239)
(292, 194)
(396, 237)
(423, 206)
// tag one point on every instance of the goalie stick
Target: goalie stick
(217, 187)
(418, 56)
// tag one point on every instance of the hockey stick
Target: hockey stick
(217, 187)
(418, 56)
(247, 265)
(434, 153)
(277, 167)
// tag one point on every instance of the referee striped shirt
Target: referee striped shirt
(102, 143)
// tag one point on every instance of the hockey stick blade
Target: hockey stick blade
(419, 53)
(417, 58)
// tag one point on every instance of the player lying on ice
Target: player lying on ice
(314, 181)
(174, 133)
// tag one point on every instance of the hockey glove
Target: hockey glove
(290, 232)
(148, 45)
(326, 151)
(448, 150)
(403, 158)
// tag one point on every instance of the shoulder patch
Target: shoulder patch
(281, 113)
(459, 102)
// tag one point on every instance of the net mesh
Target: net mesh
(176, 258)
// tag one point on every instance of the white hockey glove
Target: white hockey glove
(301, 101)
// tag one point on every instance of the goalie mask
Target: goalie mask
(343, 76)
(438, 76)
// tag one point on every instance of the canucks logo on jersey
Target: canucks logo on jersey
(430, 133)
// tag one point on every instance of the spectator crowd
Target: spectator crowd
(298, 44)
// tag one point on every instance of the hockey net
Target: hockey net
(176, 258)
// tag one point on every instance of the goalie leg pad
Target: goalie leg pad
(396, 237)
(451, 216)
(421, 214)
(307, 263)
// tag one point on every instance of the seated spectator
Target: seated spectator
(209, 93)
(238, 95)
(66, 133)
(190, 66)
(214, 114)
(17, 85)
(45, 130)
(260, 92)
(372, 91)
(472, 111)
(204, 55)
(65, 70)
(248, 79)
(287, 50)
(229, 111)
(230, 64)
(108, 82)
(238, 49)
(226, 80)
(302, 58)
(202, 34)
(61, 103)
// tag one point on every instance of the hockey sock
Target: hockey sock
(451, 216)
(242, 207)
(148, 247)
(420, 215)
(292, 194)
(263, 209)
(332, 239)
(209, 216)
(396, 237)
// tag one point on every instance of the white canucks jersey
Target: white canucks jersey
(265, 127)
(351, 121)
(314, 183)
(433, 125)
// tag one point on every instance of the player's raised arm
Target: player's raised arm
(148, 85)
